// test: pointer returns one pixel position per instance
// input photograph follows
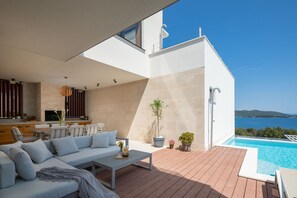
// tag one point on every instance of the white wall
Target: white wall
(119, 53)
(218, 75)
(151, 29)
(179, 58)
(126, 107)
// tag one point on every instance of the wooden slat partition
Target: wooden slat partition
(75, 104)
(11, 99)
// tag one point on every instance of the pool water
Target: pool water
(271, 154)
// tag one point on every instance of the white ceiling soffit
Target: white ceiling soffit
(64, 29)
(29, 67)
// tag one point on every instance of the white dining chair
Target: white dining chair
(76, 130)
(41, 126)
(58, 132)
(18, 136)
(91, 129)
(42, 131)
(100, 126)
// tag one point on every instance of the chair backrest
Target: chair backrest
(100, 126)
(91, 129)
(58, 132)
(41, 126)
(76, 130)
(16, 134)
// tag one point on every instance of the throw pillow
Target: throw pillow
(37, 151)
(23, 163)
(65, 146)
(5, 148)
(112, 138)
(100, 140)
(83, 141)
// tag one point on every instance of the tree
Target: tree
(157, 108)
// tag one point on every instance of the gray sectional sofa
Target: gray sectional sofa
(37, 188)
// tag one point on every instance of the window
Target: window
(75, 104)
(11, 99)
(132, 34)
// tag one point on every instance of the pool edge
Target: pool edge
(248, 167)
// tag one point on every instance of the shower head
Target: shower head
(214, 89)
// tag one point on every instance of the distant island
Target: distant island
(262, 114)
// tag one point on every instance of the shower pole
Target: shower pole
(212, 102)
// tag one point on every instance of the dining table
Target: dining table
(41, 132)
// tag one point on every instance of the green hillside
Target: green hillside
(257, 113)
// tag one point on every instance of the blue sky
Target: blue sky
(257, 39)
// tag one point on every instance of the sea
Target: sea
(260, 123)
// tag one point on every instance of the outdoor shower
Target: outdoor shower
(212, 101)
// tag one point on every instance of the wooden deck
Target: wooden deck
(191, 174)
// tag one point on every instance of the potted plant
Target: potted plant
(171, 144)
(120, 144)
(186, 138)
(157, 108)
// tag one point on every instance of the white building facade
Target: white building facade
(181, 75)
(122, 73)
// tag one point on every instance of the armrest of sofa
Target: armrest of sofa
(7, 171)
(125, 139)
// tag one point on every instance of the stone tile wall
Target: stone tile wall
(126, 107)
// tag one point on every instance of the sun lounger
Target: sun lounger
(286, 180)
(293, 138)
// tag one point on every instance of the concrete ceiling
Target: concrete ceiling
(28, 67)
(64, 29)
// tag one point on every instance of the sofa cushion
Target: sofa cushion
(39, 189)
(5, 148)
(112, 138)
(49, 145)
(52, 162)
(87, 155)
(65, 146)
(42, 189)
(83, 141)
(37, 151)
(23, 163)
(100, 140)
(7, 171)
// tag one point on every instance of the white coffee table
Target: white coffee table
(113, 164)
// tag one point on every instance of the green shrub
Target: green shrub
(186, 137)
(269, 132)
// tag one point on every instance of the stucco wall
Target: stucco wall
(50, 99)
(126, 107)
(218, 75)
(179, 58)
(30, 98)
(151, 29)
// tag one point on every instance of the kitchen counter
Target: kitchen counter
(19, 121)
(26, 127)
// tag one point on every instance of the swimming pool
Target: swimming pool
(271, 154)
